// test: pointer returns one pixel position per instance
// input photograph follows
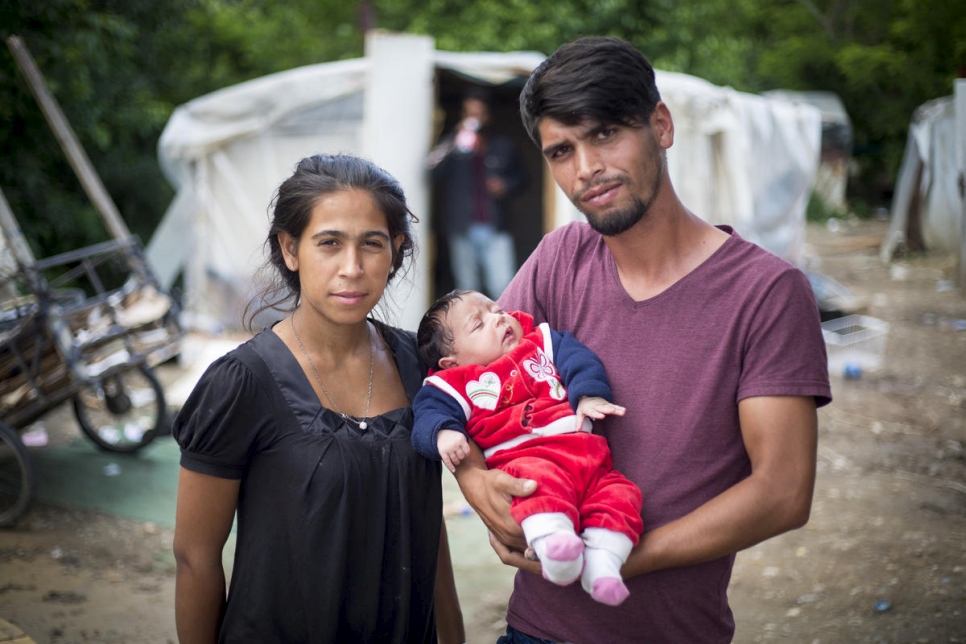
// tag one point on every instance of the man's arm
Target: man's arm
(781, 435)
(435, 162)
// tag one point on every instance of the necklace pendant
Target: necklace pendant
(345, 417)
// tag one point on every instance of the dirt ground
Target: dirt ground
(883, 558)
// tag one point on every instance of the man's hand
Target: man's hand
(522, 560)
(496, 186)
(489, 492)
(596, 407)
(453, 447)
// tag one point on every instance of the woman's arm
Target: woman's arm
(449, 617)
(206, 509)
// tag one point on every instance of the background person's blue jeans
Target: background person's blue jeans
(482, 246)
(513, 636)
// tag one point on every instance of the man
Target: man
(478, 172)
(712, 344)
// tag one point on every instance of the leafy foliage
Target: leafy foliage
(119, 68)
(883, 57)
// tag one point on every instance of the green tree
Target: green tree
(102, 69)
(883, 57)
(120, 67)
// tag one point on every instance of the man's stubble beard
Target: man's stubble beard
(622, 220)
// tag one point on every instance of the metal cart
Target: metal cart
(86, 326)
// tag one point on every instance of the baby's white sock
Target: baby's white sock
(604, 554)
(560, 550)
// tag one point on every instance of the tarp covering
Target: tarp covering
(926, 208)
(833, 170)
(225, 153)
(738, 158)
(743, 159)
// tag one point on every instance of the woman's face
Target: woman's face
(343, 257)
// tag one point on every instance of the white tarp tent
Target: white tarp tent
(738, 158)
(743, 159)
(927, 210)
(833, 168)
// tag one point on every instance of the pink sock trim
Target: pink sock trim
(610, 591)
(562, 546)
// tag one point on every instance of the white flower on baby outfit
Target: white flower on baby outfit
(545, 371)
(484, 392)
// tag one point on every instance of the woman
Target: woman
(305, 431)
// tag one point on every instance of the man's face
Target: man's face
(476, 109)
(611, 173)
(482, 332)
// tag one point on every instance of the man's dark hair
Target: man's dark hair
(600, 79)
(433, 340)
(479, 93)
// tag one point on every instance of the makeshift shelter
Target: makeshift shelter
(738, 158)
(927, 207)
(833, 169)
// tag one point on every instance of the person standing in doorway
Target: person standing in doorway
(478, 171)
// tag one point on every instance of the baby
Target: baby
(525, 394)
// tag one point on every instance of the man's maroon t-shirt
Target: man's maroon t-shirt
(742, 324)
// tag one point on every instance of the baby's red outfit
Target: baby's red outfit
(516, 409)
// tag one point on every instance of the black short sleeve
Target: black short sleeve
(337, 526)
(218, 423)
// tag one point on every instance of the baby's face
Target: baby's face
(482, 332)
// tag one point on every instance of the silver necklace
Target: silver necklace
(361, 423)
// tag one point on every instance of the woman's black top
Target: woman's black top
(337, 528)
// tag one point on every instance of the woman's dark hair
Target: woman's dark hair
(434, 340)
(595, 78)
(291, 211)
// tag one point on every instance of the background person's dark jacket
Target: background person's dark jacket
(456, 184)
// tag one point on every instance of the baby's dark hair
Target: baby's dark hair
(433, 339)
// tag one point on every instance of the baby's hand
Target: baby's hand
(453, 447)
(596, 407)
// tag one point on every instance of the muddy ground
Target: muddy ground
(883, 558)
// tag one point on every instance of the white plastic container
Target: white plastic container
(855, 343)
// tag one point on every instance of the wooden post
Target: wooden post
(78, 159)
(396, 135)
(960, 111)
(15, 239)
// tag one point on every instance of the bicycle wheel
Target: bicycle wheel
(17, 477)
(123, 412)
